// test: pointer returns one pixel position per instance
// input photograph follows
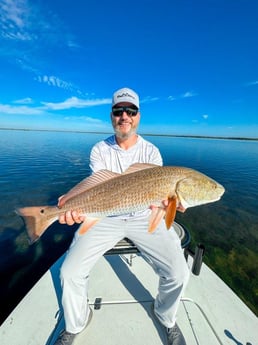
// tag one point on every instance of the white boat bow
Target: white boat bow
(121, 293)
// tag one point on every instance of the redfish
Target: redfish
(106, 193)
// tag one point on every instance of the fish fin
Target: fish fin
(138, 166)
(157, 214)
(35, 220)
(87, 224)
(89, 182)
(171, 211)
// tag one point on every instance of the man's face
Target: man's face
(126, 124)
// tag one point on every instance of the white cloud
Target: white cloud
(23, 20)
(252, 83)
(28, 28)
(74, 102)
(87, 119)
(57, 82)
(26, 100)
(189, 94)
(43, 109)
(16, 20)
(34, 27)
(54, 81)
(19, 110)
(149, 99)
(12, 11)
(205, 116)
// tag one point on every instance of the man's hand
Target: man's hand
(70, 217)
(164, 205)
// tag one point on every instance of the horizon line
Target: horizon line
(141, 133)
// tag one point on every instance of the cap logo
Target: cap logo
(125, 95)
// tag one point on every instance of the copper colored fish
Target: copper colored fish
(106, 194)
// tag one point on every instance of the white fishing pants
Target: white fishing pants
(162, 250)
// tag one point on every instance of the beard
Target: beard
(127, 135)
(124, 135)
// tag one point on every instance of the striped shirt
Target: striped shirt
(107, 154)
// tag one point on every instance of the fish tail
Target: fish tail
(35, 220)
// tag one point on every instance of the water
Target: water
(37, 167)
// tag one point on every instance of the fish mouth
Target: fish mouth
(221, 190)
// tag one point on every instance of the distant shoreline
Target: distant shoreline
(144, 134)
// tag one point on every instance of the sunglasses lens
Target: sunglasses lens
(117, 112)
(129, 111)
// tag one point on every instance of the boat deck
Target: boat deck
(210, 313)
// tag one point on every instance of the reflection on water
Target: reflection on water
(37, 167)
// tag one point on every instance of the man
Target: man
(162, 249)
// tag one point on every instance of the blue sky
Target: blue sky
(193, 63)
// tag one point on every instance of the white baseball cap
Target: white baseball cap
(125, 95)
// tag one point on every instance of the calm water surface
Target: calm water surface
(37, 167)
